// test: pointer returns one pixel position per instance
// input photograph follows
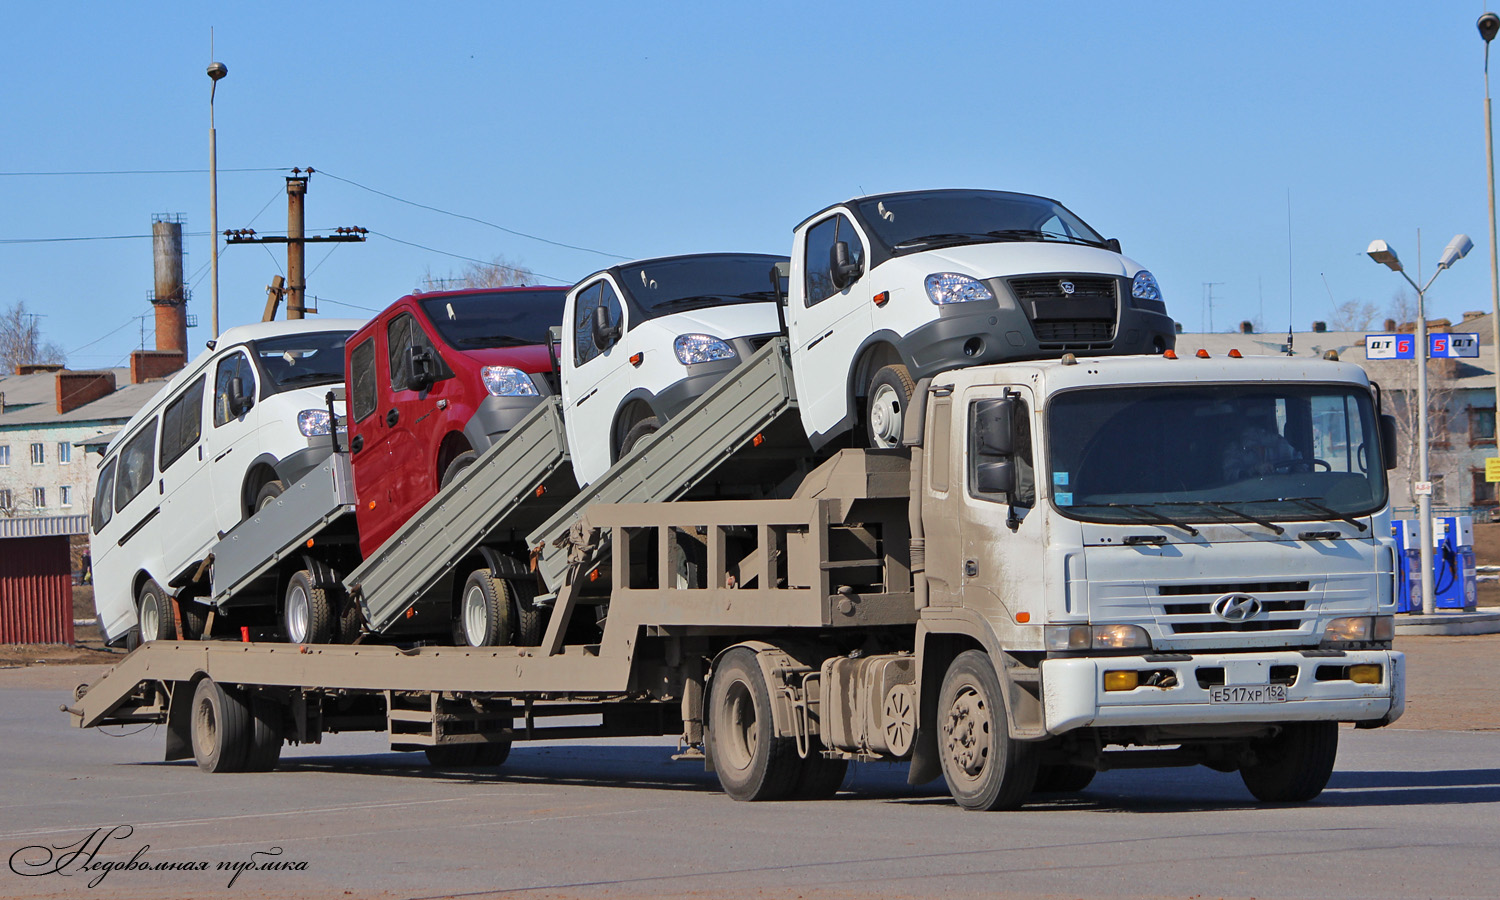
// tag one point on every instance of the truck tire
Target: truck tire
(455, 468)
(307, 613)
(452, 756)
(268, 492)
(751, 762)
(1294, 766)
(819, 778)
(985, 769)
(886, 400)
(221, 727)
(530, 622)
(194, 619)
(267, 734)
(1062, 779)
(483, 616)
(637, 433)
(155, 613)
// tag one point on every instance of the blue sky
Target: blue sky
(646, 129)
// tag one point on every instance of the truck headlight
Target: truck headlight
(1358, 629)
(1095, 637)
(701, 348)
(312, 422)
(1145, 287)
(507, 381)
(950, 287)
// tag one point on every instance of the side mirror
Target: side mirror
(239, 404)
(605, 334)
(1388, 447)
(421, 369)
(995, 477)
(554, 348)
(781, 276)
(843, 271)
(1113, 244)
(992, 427)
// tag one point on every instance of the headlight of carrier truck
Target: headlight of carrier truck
(1145, 287)
(700, 348)
(1358, 629)
(1096, 637)
(507, 381)
(312, 422)
(950, 287)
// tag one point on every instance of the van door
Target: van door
(595, 379)
(830, 323)
(411, 477)
(367, 443)
(187, 490)
(230, 443)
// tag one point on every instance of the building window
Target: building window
(65, 495)
(39, 497)
(1484, 491)
(4, 499)
(1481, 426)
(38, 454)
(64, 452)
(4, 455)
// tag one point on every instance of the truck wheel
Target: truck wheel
(460, 462)
(531, 623)
(194, 619)
(307, 616)
(1294, 766)
(819, 778)
(452, 756)
(637, 433)
(483, 616)
(267, 734)
(985, 769)
(155, 614)
(885, 406)
(222, 727)
(1062, 779)
(751, 762)
(268, 492)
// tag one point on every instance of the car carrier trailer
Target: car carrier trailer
(1063, 569)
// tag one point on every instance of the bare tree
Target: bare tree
(1354, 315)
(21, 341)
(498, 272)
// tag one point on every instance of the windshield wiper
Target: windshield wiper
(1329, 511)
(1224, 506)
(310, 376)
(695, 300)
(1022, 233)
(1144, 510)
(496, 340)
(948, 238)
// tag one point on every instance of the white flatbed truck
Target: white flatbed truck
(1068, 566)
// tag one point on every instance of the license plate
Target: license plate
(1247, 693)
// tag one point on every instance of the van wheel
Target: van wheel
(460, 462)
(194, 619)
(268, 492)
(531, 623)
(637, 433)
(155, 614)
(985, 769)
(307, 615)
(222, 727)
(483, 616)
(885, 406)
(751, 762)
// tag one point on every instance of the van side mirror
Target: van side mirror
(781, 276)
(239, 403)
(1113, 244)
(421, 369)
(1388, 448)
(842, 270)
(995, 477)
(605, 334)
(994, 435)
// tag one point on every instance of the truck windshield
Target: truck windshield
(301, 360)
(666, 286)
(1215, 453)
(908, 223)
(501, 319)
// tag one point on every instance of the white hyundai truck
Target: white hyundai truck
(1062, 567)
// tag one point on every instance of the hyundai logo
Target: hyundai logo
(1067, 287)
(1236, 607)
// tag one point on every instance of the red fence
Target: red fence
(36, 591)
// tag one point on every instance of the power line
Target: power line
(97, 237)
(341, 303)
(133, 172)
(128, 322)
(471, 218)
(482, 262)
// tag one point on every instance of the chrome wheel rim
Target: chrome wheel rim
(885, 416)
(296, 614)
(150, 618)
(476, 616)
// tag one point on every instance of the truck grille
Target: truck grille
(1186, 610)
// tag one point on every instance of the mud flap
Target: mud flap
(180, 721)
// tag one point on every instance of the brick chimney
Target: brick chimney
(38, 368)
(146, 365)
(74, 389)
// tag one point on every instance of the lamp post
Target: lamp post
(1489, 26)
(1382, 253)
(216, 71)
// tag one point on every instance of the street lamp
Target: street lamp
(216, 71)
(1382, 253)
(1489, 26)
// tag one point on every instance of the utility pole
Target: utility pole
(296, 241)
(1208, 299)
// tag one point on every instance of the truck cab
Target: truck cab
(435, 379)
(890, 288)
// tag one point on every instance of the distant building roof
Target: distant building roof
(41, 389)
(117, 406)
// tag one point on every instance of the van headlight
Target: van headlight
(950, 287)
(1145, 287)
(701, 348)
(507, 381)
(312, 422)
(1096, 637)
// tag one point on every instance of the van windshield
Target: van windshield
(666, 286)
(301, 360)
(515, 318)
(912, 222)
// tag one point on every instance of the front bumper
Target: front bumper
(1073, 694)
(497, 415)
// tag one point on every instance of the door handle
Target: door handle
(392, 417)
(358, 443)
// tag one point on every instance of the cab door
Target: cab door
(231, 444)
(367, 453)
(595, 380)
(408, 416)
(830, 323)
